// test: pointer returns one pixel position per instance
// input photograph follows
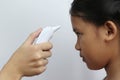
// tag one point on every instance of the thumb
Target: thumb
(31, 38)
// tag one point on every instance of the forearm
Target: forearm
(9, 73)
(28, 59)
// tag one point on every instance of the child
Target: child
(97, 26)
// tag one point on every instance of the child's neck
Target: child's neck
(113, 69)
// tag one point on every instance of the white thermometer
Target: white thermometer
(47, 34)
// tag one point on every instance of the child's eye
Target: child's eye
(78, 34)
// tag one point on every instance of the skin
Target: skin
(99, 46)
(28, 60)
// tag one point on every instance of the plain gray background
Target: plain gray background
(18, 18)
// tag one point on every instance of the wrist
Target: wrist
(9, 72)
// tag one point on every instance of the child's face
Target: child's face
(90, 43)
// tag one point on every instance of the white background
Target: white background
(18, 18)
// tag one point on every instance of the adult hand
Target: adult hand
(29, 59)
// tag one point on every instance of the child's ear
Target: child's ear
(111, 30)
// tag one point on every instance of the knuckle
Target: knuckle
(45, 61)
(37, 56)
(40, 70)
(37, 72)
(40, 63)
(50, 45)
(49, 54)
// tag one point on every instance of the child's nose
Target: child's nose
(77, 46)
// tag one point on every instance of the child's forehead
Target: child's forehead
(79, 20)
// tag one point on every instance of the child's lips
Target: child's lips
(82, 57)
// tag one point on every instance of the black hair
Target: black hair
(97, 11)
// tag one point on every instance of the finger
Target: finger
(45, 46)
(31, 38)
(39, 70)
(40, 55)
(46, 54)
(41, 62)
